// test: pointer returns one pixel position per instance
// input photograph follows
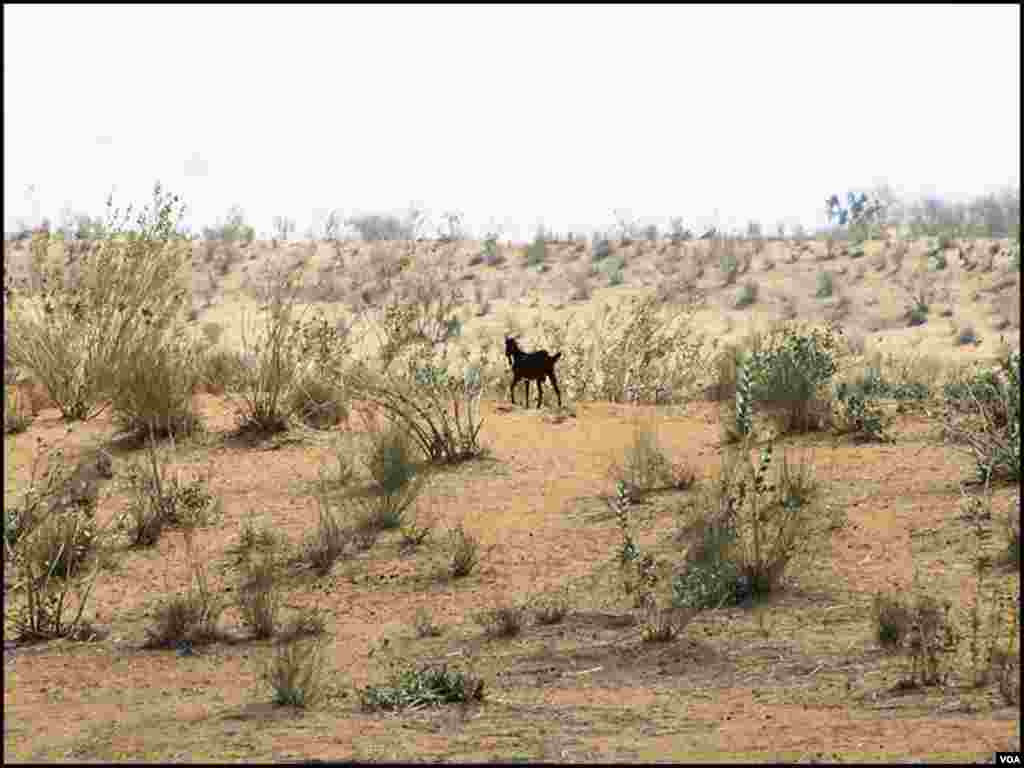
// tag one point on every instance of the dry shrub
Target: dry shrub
(102, 309)
(641, 350)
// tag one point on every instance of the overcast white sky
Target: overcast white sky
(513, 115)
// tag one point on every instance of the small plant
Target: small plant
(428, 685)
(189, 618)
(414, 535)
(1013, 533)
(824, 289)
(751, 533)
(463, 550)
(728, 264)
(491, 256)
(296, 673)
(503, 621)
(645, 467)
(424, 624)
(319, 402)
(860, 415)
(161, 500)
(331, 540)
(307, 622)
(932, 635)
(991, 657)
(390, 461)
(892, 620)
(747, 295)
(921, 296)
(981, 415)
(18, 415)
(664, 624)
(857, 250)
(48, 540)
(937, 260)
(259, 597)
(551, 609)
(537, 251)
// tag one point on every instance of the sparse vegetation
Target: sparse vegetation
(752, 518)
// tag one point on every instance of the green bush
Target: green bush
(729, 265)
(747, 294)
(748, 533)
(427, 685)
(788, 366)
(981, 415)
(824, 289)
(860, 415)
(536, 252)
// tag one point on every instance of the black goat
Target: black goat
(532, 366)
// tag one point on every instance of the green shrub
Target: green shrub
(489, 252)
(729, 265)
(747, 295)
(748, 532)
(536, 252)
(427, 685)
(788, 366)
(981, 415)
(710, 578)
(824, 289)
(860, 415)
